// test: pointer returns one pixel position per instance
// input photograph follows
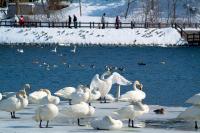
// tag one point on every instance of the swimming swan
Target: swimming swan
(45, 112)
(104, 85)
(49, 98)
(13, 104)
(136, 95)
(106, 123)
(78, 111)
(131, 112)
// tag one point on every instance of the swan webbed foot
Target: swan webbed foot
(129, 122)
(40, 124)
(132, 123)
(79, 122)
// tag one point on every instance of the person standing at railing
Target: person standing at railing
(69, 21)
(75, 21)
(103, 21)
(21, 21)
(117, 22)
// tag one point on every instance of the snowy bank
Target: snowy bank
(104, 37)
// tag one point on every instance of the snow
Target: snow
(95, 37)
(62, 124)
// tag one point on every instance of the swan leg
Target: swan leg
(129, 122)
(47, 124)
(79, 122)
(100, 100)
(104, 99)
(40, 124)
(89, 103)
(132, 123)
(196, 125)
(11, 115)
(70, 101)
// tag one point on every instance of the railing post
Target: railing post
(90, 25)
(93, 24)
(131, 24)
(79, 24)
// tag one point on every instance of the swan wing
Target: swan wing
(119, 79)
(195, 100)
(191, 113)
(96, 83)
(133, 96)
(65, 92)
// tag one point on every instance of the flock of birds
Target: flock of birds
(80, 102)
(81, 99)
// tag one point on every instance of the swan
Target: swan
(65, 92)
(20, 50)
(106, 123)
(195, 100)
(81, 95)
(45, 112)
(0, 96)
(49, 98)
(134, 96)
(73, 50)
(13, 104)
(131, 112)
(26, 88)
(36, 96)
(78, 111)
(54, 50)
(94, 95)
(192, 114)
(104, 85)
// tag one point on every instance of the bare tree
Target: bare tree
(80, 7)
(174, 8)
(128, 6)
(17, 7)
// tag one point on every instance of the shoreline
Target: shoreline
(165, 37)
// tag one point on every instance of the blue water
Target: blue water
(170, 76)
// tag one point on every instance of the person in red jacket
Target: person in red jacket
(21, 21)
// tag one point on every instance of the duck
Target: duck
(81, 95)
(73, 50)
(45, 112)
(14, 103)
(65, 92)
(136, 95)
(79, 111)
(104, 85)
(49, 98)
(106, 123)
(36, 96)
(131, 112)
(159, 111)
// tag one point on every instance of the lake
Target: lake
(169, 75)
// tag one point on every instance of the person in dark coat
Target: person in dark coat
(75, 21)
(117, 22)
(69, 21)
(21, 21)
(103, 21)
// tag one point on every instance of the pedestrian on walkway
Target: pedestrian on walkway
(103, 21)
(75, 21)
(69, 21)
(117, 22)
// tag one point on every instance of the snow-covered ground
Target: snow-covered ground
(152, 122)
(105, 37)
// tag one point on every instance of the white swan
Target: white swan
(131, 112)
(104, 85)
(54, 50)
(81, 95)
(106, 123)
(26, 88)
(45, 112)
(65, 92)
(0, 96)
(78, 111)
(73, 50)
(195, 100)
(13, 104)
(192, 114)
(136, 95)
(49, 98)
(36, 96)
(94, 95)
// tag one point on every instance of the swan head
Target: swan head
(108, 119)
(21, 94)
(137, 85)
(91, 111)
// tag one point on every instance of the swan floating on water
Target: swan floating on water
(104, 85)
(136, 95)
(20, 50)
(78, 111)
(73, 50)
(131, 112)
(106, 123)
(54, 50)
(45, 112)
(13, 104)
